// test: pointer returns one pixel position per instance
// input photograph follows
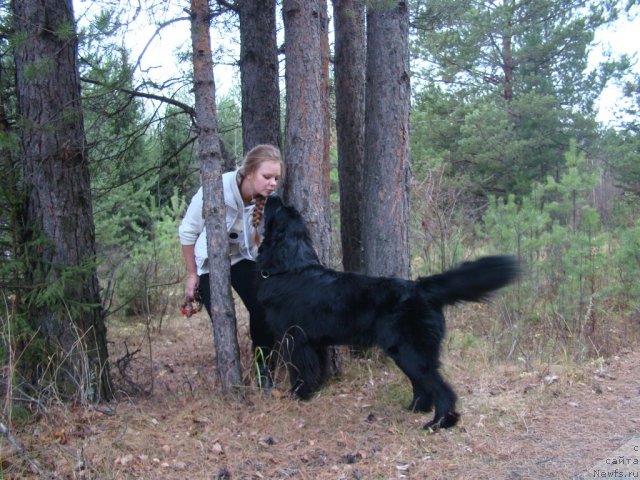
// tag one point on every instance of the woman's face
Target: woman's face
(264, 180)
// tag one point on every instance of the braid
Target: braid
(258, 212)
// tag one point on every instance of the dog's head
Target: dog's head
(282, 220)
(271, 207)
(286, 244)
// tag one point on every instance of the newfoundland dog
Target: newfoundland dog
(310, 307)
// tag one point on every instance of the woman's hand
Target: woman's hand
(190, 287)
(188, 308)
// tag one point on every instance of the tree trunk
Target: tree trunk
(307, 136)
(507, 67)
(223, 315)
(259, 73)
(306, 150)
(64, 303)
(350, 67)
(387, 171)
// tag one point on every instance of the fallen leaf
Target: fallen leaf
(61, 437)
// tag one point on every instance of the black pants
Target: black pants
(245, 281)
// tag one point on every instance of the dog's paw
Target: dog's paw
(447, 421)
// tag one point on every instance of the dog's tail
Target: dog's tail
(471, 281)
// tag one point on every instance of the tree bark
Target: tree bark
(306, 139)
(350, 67)
(223, 316)
(507, 67)
(387, 171)
(64, 305)
(259, 75)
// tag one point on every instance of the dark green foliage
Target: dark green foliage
(505, 86)
(141, 280)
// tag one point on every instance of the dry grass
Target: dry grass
(552, 421)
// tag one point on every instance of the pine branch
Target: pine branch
(151, 96)
(231, 6)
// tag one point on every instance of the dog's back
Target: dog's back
(470, 281)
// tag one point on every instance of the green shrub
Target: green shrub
(575, 271)
(139, 276)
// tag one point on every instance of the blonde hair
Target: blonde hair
(252, 161)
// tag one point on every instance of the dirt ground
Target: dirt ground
(555, 421)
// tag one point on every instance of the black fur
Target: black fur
(311, 307)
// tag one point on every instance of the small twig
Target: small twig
(123, 363)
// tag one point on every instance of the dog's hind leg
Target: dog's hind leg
(429, 386)
(422, 401)
(444, 397)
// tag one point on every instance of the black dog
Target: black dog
(311, 307)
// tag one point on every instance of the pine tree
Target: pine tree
(513, 73)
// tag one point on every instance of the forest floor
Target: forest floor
(552, 421)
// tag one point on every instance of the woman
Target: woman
(245, 192)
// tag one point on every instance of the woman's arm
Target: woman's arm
(191, 284)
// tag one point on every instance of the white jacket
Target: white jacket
(238, 219)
